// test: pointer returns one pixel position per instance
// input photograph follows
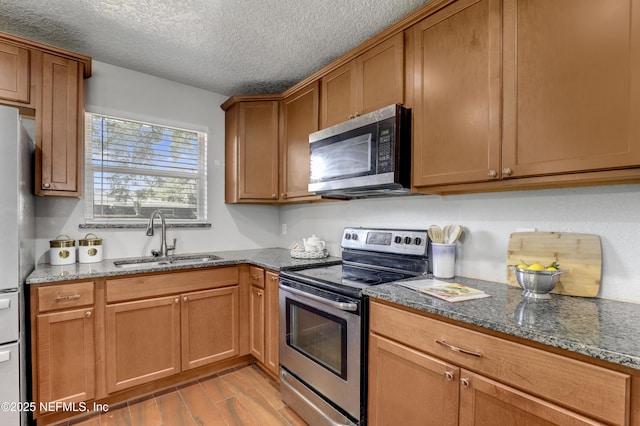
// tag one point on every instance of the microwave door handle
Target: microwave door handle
(351, 307)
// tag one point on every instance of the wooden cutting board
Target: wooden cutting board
(580, 253)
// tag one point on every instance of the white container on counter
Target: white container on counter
(62, 250)
(90, 250)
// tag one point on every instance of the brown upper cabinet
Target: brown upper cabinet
(267, 146)
(455, 83)
(251, 151)
(14, 73)
(372, 80)
(518, 89)
(59, 127)
(49, 83)
(298, 119)
(571, 86)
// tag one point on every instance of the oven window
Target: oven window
(318, 335)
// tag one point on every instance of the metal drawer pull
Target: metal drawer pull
(449, 375)
(75, 296)
(457, 349)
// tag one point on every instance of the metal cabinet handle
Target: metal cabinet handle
(46, 185)
(493, 173)
(343, 306)
(254, 277)
(61, 298)
(87, 314)
(274, 278)
(449, 375)
(186, 299)
(260, 293)
(465, 382)
(350, 116)
(507, 171)
(176, 300)
(457, 349)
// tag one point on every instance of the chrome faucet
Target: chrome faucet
(164, 248)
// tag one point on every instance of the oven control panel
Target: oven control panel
(397, 241)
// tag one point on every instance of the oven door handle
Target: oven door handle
(343, 306)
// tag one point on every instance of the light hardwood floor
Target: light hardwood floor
(240, 396)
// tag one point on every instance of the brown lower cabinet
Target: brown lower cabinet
(117, 338)
(415, 379)
(263, 318)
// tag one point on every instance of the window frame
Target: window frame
(90, 169)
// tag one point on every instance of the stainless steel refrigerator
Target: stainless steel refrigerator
(17, 260)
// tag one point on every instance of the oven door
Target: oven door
(320, 344)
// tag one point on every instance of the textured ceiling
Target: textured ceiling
(229, 47)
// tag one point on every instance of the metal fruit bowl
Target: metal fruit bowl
(537, 284)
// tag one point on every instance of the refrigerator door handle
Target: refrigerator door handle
(5, 303)
(5, 356)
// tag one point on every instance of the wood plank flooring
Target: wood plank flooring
(237, 397)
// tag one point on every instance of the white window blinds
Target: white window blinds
(133, 168)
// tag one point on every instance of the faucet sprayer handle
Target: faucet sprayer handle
(172, 247)
(155, 253)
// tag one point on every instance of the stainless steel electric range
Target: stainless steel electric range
(324, 323)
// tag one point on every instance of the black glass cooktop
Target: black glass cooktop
(345, 279)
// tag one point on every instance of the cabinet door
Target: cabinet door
(66, 356)
(59, 123)
(209, 326)
(256, 323)
(271, 338)
(408, 387)
(143, 341)
(571, 86)
(338, 101)
(381, 76)
(299, 118)
(486, 402)
(456, 94)
(258, 151)
(14, 73)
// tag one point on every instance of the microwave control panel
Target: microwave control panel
(385, 146)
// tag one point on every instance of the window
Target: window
(134, 168)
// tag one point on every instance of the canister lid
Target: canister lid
(61, 242)
(90, 240)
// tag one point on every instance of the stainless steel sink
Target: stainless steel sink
(149, 262)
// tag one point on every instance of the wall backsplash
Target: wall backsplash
(488, 219)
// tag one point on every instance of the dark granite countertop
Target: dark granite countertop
(276, 259)
(604, 329)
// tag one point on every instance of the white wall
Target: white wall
(121, 92)
(612, 212)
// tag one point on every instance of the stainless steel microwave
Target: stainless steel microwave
(367, 156)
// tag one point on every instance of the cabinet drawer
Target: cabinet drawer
(64, 296)
(256, 276)
(144, 286)
(586, 388)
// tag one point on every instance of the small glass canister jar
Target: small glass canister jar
(90, 249)
(62, 250)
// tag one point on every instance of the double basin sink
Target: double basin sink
(150, 262)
